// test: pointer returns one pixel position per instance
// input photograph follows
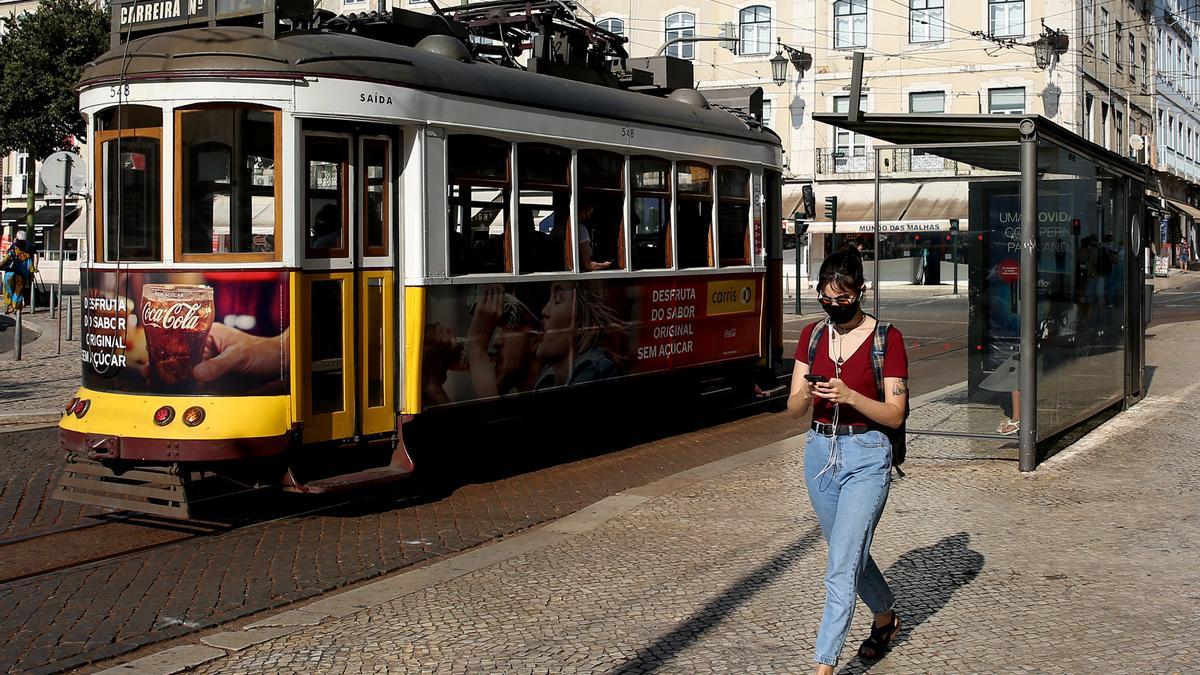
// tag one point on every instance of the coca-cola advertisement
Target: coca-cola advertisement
(186, 332)
(497, 340)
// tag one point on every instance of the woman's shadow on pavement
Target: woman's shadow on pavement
(923, 581)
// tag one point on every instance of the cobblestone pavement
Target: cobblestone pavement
(40, 383)
(1091, 564)
(462, 497)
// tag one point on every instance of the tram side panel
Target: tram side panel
(480, 342)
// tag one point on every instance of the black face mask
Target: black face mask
(842, 313)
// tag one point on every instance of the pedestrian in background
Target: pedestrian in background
(847, 454)
(1184, 258)
(19, 266)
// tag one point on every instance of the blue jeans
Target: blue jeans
(848, 498)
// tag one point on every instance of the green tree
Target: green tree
(42, 55)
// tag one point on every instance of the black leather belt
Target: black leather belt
(839, 430)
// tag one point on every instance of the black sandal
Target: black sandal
(875, 646)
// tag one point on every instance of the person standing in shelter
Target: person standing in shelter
(847, 454)
(19, 266)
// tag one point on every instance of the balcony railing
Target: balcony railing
(859, 162)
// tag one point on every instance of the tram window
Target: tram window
(651, 213)
(733, 215)
(131, 198)
(325, 327)
(478, 216)
(601, 210)
(327, 161)
(129, 117)
(377, 209)
(544, 207)
(693, 187)
(227, 175)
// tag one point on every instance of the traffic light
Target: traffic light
(831, 208)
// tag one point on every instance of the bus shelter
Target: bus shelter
(1028, 292)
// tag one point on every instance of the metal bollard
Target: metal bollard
(53, 305)
(70, 318)
(19, 312)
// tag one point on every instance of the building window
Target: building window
(228, 176)
(849, 148)
(849, 23)
(1104, 29)
(766, 113)
(1118, 53)
(1119, 131)
(927, 102)
(614, 26)
(1145, 70)
(926, 21)
(1006, 18)
(1088, 124)
(1132, 60)
(755, 30)
(1006, 101)
(1089, 19)
(681, 25)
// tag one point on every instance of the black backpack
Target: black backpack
(898, 436)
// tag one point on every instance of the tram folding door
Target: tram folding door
(348, 286)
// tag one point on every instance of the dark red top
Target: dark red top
(856, 372)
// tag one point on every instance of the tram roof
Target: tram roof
(231, 50)
(974, 130)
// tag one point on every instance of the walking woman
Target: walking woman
(847, 455)
(18, 266)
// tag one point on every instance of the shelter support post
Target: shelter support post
(875, 254)
(1027, 288)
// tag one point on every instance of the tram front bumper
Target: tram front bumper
(121, 426)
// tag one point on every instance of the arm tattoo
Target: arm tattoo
(899, 387)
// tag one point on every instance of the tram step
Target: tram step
(154, 490)
(368, 478)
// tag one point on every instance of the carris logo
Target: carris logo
(730, 333)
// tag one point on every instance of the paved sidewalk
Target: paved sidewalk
(1091, 564)
(36, 388)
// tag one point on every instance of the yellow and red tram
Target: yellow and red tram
(304, 233)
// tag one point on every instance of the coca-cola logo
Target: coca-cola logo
(174, 316)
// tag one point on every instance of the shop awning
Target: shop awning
(78, 227)
(904, 207)
(1185, 208)
(12, 214)
(47, 216)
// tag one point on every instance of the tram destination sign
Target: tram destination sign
(143, 15)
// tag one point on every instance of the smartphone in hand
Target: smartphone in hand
(813, 379)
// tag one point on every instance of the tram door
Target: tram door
(348, 287)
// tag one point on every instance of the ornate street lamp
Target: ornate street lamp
(800, 60)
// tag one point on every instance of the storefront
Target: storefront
(1047, 232)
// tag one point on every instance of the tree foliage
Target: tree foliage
(42, 55)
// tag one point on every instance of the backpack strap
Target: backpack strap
(878, 352)
(814, 340)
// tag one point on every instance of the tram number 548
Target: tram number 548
(628, 132)
(115, 91)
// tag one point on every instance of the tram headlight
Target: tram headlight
(81, 407)
(71, 405)
(193, 416)
(164, 415)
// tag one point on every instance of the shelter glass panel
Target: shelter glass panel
(601, 210)
(227, 169)
(479, 192)
(651, 213)
(1083, 224)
